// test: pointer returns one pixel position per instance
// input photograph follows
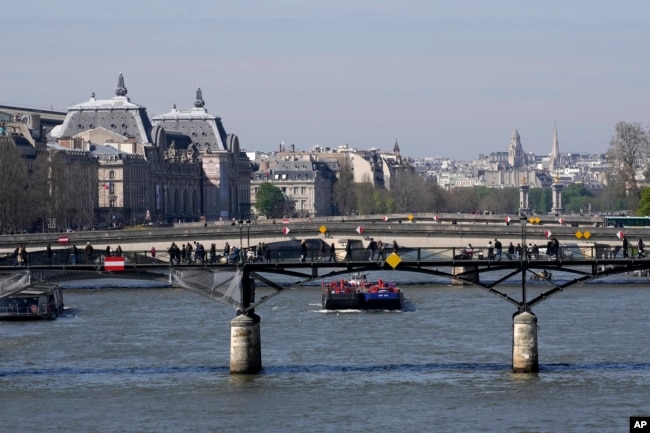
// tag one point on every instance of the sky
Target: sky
(443, 78)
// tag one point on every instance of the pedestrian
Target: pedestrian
(332, 253)
(624, 248)
(22, 256)
(395, 247)
(372, 246)
(348, 250)
(118, 251)
(303, 250)
(511, 251)
(213, 253)
(641, 248)
(73, 255)
(153, 254)
(323, 248)
(89, 250)
(48, 252)
(498, 249)
(490, 250)
(380, 250)
(108, 250)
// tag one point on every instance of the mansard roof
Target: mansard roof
(117, 114)
(205, 130)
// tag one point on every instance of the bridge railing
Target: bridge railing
(64, 258)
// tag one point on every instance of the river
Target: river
(153, 359)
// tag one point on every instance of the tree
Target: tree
(644, 203)
(627, 153)
(365, 198)
(344, 189)
(14, 181)
(407, 189)
(269, 201)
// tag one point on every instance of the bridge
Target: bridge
(421, 230)
(235, 283)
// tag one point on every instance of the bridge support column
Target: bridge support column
(471, 275)
(524, 343)
(245, 344)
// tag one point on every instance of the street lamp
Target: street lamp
(248, 234)
(241, 226)
(523, 219)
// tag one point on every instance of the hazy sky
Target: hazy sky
(445, 78)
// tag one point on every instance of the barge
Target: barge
(357, 293)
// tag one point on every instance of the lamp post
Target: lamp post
(241, 226)
(248, 234)
(523, 219)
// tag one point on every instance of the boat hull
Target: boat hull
(363, 301)
(34, 303)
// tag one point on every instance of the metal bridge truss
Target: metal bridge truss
(464, 271)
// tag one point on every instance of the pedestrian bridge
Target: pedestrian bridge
(236, 283)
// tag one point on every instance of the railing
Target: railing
(62, 258)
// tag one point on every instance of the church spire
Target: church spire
(121, 90)
(555, 152)
(199, 102)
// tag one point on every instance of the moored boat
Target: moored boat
(40, 301)
(356, 293)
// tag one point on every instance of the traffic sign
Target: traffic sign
(547, 233)
(285, 230)
(323, 229)
(410, 217)
(561, 220)
(360, 230)
(63, 239)
(393, 260)
(385, 218)
(508, 219)
(620, 234)
(286, 221)
(436, 218)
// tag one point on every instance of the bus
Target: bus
(627, 221)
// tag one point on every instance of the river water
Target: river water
(157, 360)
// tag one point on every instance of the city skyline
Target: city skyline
(449, 80)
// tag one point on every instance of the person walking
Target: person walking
(490, 250)
(498, 249)
(332, 253)
(348, 250)
(372, 246)
(89, 250)
(380, 251)
(641, 248)
(321, 252)
(625, 247)
(303, 251)
(48, 252)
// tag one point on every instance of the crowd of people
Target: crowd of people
(196, 253)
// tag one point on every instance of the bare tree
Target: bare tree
(14, 180)
(344, 189)
(407, 188)
(627, 154)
